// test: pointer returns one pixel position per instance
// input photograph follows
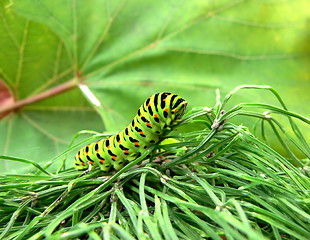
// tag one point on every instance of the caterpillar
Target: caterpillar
(157, 114)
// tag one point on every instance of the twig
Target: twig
(36, 98)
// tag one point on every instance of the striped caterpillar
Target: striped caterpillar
(157, 114)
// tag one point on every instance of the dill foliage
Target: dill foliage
(228, 184)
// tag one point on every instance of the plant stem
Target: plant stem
(39, 97)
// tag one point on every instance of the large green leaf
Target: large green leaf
(127, 50)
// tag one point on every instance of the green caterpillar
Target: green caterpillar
(158, 113)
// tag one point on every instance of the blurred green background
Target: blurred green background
(125, 51)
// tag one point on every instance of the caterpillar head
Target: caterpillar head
(178, 107)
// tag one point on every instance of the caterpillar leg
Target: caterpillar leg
(105, 167)
(84, 173)
(89, 167)
(119, 165)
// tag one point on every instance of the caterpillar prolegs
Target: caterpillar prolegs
(158, 113)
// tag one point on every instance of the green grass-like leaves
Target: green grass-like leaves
(228, 185)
